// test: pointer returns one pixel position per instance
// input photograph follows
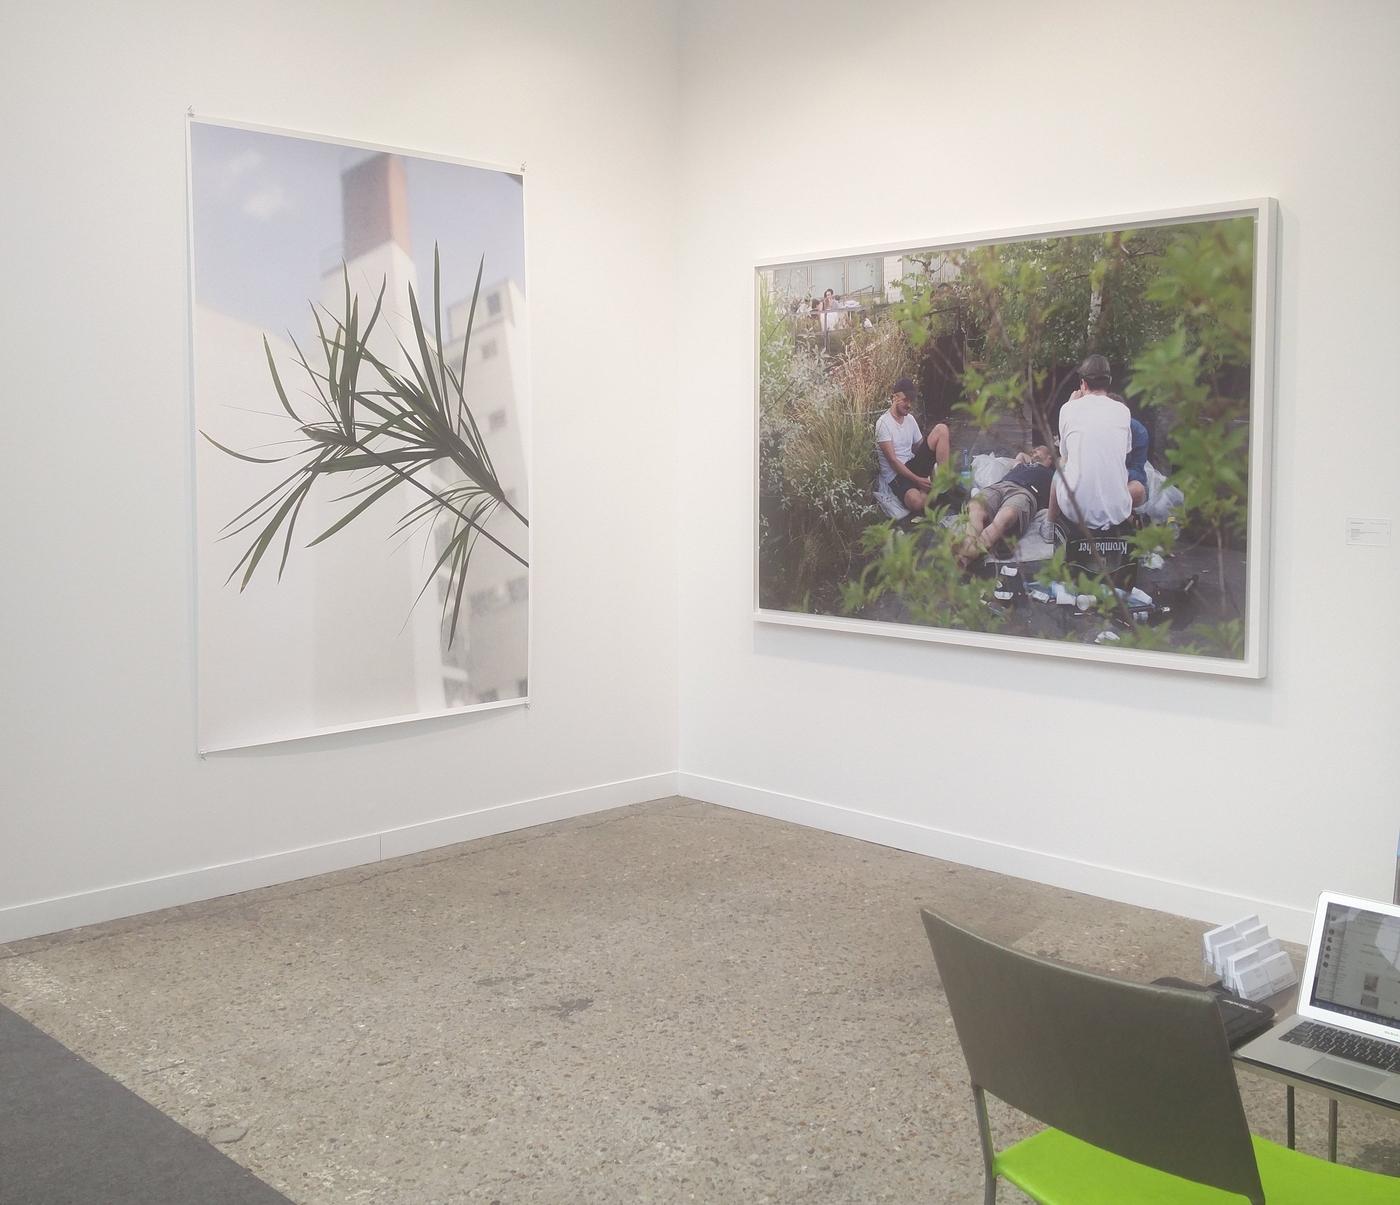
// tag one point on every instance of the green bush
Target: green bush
(817, 455)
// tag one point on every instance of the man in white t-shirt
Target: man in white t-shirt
(1091, 487)
(908, 458)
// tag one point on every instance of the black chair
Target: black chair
(1136, 1080)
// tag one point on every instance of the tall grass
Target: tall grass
(817, 456)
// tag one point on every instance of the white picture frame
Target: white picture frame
(244, 702)
(1253, 663)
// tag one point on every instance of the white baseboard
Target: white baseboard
(38, 917)
(507, 817)
(1286, 921)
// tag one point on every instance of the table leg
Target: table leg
(1332, 1130)
(1288, 1113)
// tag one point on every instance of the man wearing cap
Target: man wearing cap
(1091, 487)
(908, 458)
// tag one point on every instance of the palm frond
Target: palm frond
(417, 418)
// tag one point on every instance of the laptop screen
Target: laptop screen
(1358, 965)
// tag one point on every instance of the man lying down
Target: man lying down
(1034, 539)
(1004, 510)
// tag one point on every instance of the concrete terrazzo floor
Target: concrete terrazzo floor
(668, 1002)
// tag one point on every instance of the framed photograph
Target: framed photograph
(1047, 440)
(361, 409)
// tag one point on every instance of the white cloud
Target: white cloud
(239, 165)
(267, 202)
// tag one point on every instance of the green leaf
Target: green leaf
(261, 544)
(277, 381)
(437, 319)
(276, 489)
(244, 455)
(291, 527)
(352, 462)
(430, 384)
(466, 343)
(315, 377)
(392, 484)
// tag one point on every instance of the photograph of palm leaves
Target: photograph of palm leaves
(360, 401)
(1032, 503)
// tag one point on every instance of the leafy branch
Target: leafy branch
(412, 423)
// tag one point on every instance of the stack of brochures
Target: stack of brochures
(1249, 962)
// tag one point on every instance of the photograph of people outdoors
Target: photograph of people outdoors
(1043, 442)
(360, 398)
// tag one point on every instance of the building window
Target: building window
(522, 687)
(456, 657)
(850, 278)
(483, 602)
(493, 304)
(792, 282)
(519, 588)
(489, 349)
(489, 696)
(496, 420)
(456, 692)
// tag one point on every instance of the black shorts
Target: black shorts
(921, 463)
(901, 486)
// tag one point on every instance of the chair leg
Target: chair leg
(984, 1137)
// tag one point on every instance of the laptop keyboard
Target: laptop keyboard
(1328, 1039)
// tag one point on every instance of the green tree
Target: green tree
(1171, 305)
(1198, 375)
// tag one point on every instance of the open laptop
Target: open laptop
(1347, 1031)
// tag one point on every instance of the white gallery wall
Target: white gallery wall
(105, 808)
(821, 125)
(668, 147)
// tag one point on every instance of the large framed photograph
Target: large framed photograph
(1051, 440)
(361, 412)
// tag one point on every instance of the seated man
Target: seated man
(1004, 511)
(1137, 456)
(908, 458)
(1091, 487)
(1137, 464)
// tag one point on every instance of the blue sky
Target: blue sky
(267, 223)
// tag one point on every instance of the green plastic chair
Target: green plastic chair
(1136, 1081)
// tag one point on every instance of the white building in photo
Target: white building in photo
(487, 661)
(350, 633)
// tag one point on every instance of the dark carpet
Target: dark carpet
(72, 1135)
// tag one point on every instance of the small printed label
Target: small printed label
(1369, 533)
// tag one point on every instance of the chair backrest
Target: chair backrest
(1142, 1071)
